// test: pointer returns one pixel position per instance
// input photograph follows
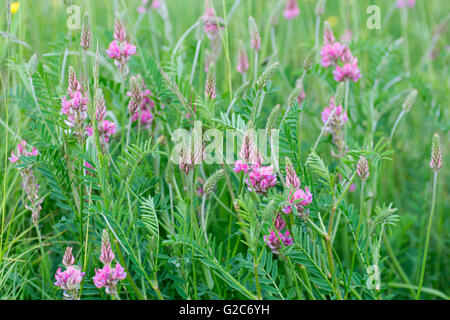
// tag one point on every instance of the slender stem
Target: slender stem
(183, 37)
(323, 129)
(361, 210)
(44, 260)
(194, 64)
(203, 217)
(258, 287)
(397, 265)
(231, 105)
(255, 76)
(397, 121)
(427, 241)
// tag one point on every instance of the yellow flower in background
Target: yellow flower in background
(14, 6)
(333, 21)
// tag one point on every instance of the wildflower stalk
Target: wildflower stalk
(397, 121)
(361, 204)
(427, 241)
(323, 129)
(258, 287)
(43, 257)
(194, 64)
(255, 75)
(185, 34)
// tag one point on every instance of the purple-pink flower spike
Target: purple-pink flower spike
(362, 168)
(291, 9)
(70, 279)
(68, 258)
(292, 179)
(107, 255)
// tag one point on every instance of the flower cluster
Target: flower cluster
(106, 128)
(75, 108)
(261, 178)
(30, 187)
(21, 150)
(243, 64)
(336, 117)
(298, 197)
(334, 52)
(211, 22)
(276, 240)
(108, 276)
(70, 279)
(141, 104)
(291, 9)
(120, 49)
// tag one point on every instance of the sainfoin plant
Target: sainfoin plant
(210, 150)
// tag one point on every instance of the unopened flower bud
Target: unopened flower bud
(107, 255)
(328, 36)
(267, 75)
(120, 33)
(255, 38)
(436, 153)
(320, 8)
(309, 60)
(362, 168)
(210, 86)
(86, 33)
(68, 258)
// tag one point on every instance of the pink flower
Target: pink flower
(261, 178)
(156, 4)
(211, 21)
(239, 166)
(331, 53)
(69, 281)
(279, 223)
(108, 277)
(348, 71)
(113, 50)
(119, 49)
(352, 188)
(107, 129)
(21, 151)
(300, 199)
(339, 117)
(243, 64)
(146, 104)
(89, 131)
(274, 243)
(291, 9)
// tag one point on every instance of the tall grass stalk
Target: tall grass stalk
(427, 240)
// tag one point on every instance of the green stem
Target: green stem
(427, 241)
